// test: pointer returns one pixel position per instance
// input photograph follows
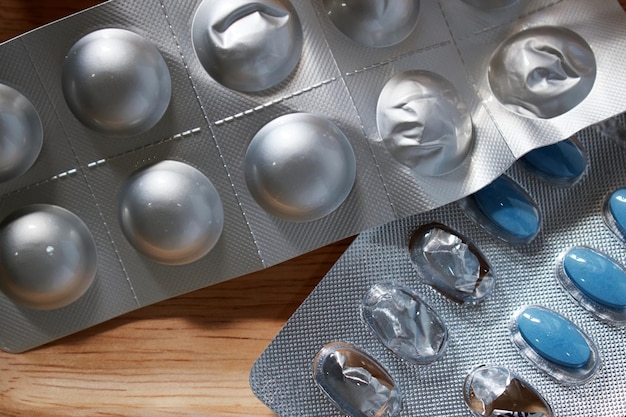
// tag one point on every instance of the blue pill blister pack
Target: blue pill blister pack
(547, 339)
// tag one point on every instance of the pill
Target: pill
(553, 337)
(505, 210)
(597, 276)
(560, 164)
(615, 212)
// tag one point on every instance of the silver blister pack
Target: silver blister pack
(536, 102)
(284, 376)
(187, 144)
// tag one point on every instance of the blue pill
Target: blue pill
(508, 207)
(617, 209)
(562, 162)
(596, 276)
(554, 337)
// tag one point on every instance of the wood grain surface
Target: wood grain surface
(188, 356)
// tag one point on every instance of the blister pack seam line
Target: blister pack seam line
(215, 142)
(473, 82)
(362, 127)
(115, 249)
(369, 146)
(360, 122)
(248, 112)
(99, 162)
(178, 136)
(398, 57)
(84, 177)
(509, 22)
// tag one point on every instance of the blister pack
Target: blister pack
(152, 147)
(538, 331)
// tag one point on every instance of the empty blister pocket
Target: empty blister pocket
(355, 382)
(451, 264)
(495, 391)
(404, 323)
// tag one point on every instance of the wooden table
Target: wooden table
(188, 356)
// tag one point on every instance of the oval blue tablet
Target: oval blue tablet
(560, 164)
(596, 276)
(514, 217)
(554, 337)
(617, 210)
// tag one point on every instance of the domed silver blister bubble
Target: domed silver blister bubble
(116, 82)
(247, 45)
(21, 133)
(489, 4)
(171, 213)
(300, 167)
(374, 23)
(542, 72)
(424, 123)
(48, 257)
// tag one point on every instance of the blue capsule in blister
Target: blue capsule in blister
(615, 213)
(561, 164)
(553, 338)
(595, 281)
(554, 344)
(504, 210)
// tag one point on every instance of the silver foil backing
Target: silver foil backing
(126, 86)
